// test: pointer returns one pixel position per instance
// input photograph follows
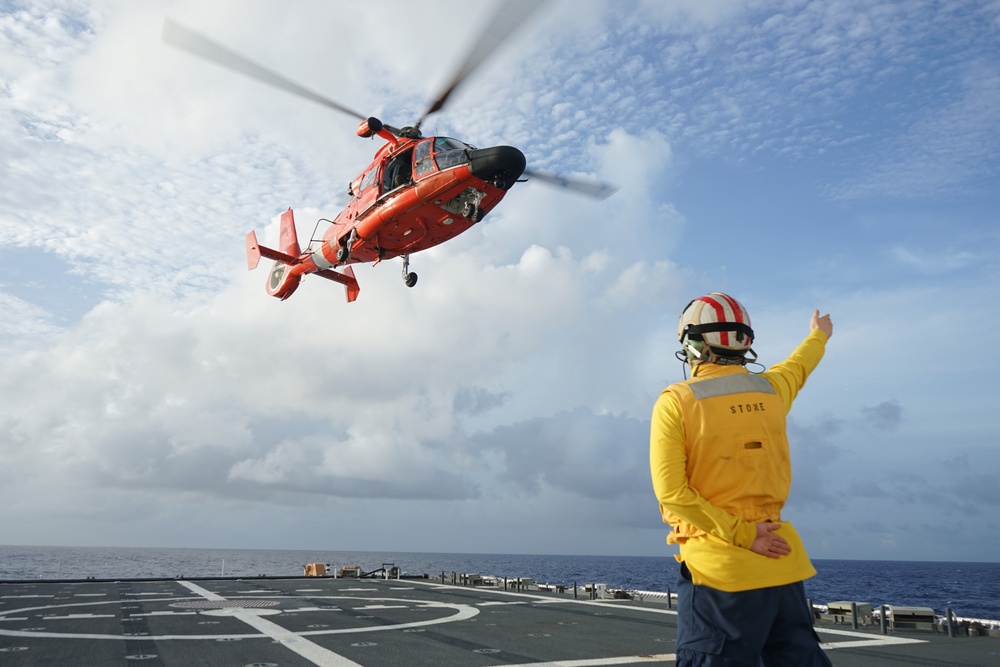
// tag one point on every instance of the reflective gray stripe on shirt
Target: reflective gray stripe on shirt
(730, 384)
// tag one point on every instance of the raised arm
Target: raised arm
(824, 323)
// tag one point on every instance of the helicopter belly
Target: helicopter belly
(425, 227)
(431, 212)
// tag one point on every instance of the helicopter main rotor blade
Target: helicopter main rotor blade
(203, 47)
(587, 187)
(509, 16)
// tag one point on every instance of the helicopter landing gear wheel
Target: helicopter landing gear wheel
(471, 212)
(409, 277)
(343, 253)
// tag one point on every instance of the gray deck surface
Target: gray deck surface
(299, 622)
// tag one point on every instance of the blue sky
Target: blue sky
(797, 155)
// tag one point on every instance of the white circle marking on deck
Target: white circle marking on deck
(461, 612)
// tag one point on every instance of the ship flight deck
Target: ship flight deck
(411, 622)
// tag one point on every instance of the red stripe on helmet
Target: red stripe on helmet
(735, 305)
(720, 316)
(737, 311)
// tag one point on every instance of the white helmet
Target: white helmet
(715, 328)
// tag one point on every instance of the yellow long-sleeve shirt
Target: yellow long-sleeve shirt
(719, 464)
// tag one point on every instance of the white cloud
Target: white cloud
(946, 146)
(23, 325)
(146, 375)
(940, 262)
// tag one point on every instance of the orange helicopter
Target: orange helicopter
(417, 193)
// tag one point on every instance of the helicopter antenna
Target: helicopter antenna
(509, 16)
(203, 47)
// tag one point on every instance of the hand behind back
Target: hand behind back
(769, 543)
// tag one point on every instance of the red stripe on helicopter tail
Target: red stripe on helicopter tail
(289, 241)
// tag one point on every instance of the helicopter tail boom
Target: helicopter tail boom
(290, 266)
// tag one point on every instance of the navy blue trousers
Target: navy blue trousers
(766, 626)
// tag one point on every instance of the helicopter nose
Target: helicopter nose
(500, 165)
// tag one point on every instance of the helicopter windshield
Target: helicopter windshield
(442, 144)
(447, 152)
(450, 152)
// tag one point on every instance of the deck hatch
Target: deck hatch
(225, 604)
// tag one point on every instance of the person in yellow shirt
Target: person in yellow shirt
(721, 471)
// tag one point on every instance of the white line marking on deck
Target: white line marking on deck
(381, 606)
(165, 613)
(862, 639)
(599, 662)
(460, 612)
(314, 653)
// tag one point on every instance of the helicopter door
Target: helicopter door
(398, 172)
(423, 163)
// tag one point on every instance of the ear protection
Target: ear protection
(694, 349)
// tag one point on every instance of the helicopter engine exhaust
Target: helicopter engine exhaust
(499, 165)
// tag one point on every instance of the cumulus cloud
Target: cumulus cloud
(885, 416)
(146, 376)
(814, 448)
(976, 491)
(597, 456)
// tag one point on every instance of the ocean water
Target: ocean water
(971, 590)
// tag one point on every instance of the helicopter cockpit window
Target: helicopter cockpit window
(368, 180)
(422, 162)
(442, 144)
(450, 152)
